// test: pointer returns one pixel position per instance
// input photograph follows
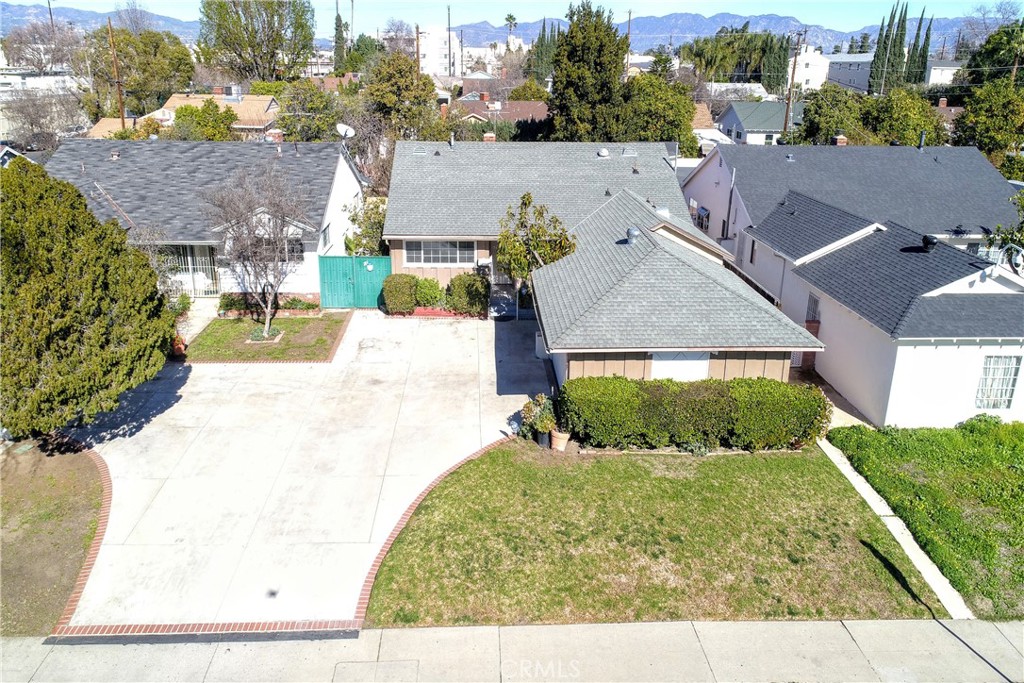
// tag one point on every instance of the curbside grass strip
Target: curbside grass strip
(936, 580)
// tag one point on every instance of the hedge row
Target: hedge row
(752, 414)
(468, 293)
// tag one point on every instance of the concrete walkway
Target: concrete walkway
(263, 492)
(853, 651)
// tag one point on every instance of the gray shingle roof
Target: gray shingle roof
(800, 226)
(652, 294)
(160, 183)
(764, 117)
(965, 315)
(881, 275)
(932, 191)
(462, 191)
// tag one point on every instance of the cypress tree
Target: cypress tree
(913, 58)
(340, 28)
(922, 56)
(81, 319)
(852, 49)
(897, 56)
(878, 61)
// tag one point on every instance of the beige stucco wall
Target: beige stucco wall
(733, 364)
(632, 365)
(443, 274)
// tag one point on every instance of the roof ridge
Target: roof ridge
(831, 206)
(905, 316)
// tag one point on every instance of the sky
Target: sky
(370, 15)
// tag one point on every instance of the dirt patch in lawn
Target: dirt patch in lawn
(50, 506)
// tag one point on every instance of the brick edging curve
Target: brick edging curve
(97, 539)
(371, 576)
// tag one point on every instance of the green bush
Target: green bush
(753, 414)
(773, 414)
(400, 293)
(428, 292)
(257, 334)
(294, 303)
(469, 294)
(233, 302)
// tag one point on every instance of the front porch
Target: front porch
(195, 270)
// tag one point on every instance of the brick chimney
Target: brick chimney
(490, 137)
(485, 96)
(218, 90)
(839, 140)
(942, 101)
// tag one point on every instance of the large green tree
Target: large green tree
(588, 66)
(530, 90)
(1000, 55)
(152, 66)
(831, 109)
(401, 96)
(901, 116)
(993, 121)
(81, 319)
(531, 237)
(308, 114)
(259, 39)
(655, 111)
(206, 122)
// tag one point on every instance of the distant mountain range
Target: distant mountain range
(645, 32)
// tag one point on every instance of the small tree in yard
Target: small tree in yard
(261, 216)
(369, 219)
(81, 319)
(530, 238)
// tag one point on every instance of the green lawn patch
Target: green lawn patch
(304, 339)
(522, 536)
(961, 493)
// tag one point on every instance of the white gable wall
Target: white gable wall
(346, 196)
(708, 186)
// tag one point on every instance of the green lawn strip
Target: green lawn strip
(961, 493)
(304, 339)
(521, 536)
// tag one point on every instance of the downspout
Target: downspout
(728, 211)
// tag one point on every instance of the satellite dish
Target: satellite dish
(345, 131)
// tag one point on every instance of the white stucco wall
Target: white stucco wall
(936, 384)
(305, 279)
(685, 366)
(940, 75)
(700, 188)
(767, 268)
(346, 196)
(811, 68)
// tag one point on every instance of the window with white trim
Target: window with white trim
(812, 307)
(440, 253)
(998, 381)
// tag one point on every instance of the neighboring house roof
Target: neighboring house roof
(847, 57)
(764, 117)
(513, 110)
(702, 117)
(948, 114)
(933, 191)
(161, 183)
(254, 111)
(652, 294)
(333, 83)
(945, 64)
(478, 76)
(741, 89)
(965, 315)
(440, 190)
(108, 125)
(800, 226)
(881, 275)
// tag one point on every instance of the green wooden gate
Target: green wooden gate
(352, 281)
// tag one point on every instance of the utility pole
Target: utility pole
(117, 75)
(352, 24)
(450, 65)
(629, 47)
(50, 9)
(942, 54)
(418, 71)
(462, 51)
(792, 81)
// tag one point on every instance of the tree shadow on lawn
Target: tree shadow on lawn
(901, 579)
(137, 408)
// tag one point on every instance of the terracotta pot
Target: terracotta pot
(559, 440)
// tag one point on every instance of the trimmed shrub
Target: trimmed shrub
(752, 414)
(400, 293)
(469, 294)
(294, 303)
(602, 411)
(181, 305)
(233, 302)
(428, 292)
(772, 414)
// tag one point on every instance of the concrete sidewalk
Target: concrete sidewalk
(852, 651)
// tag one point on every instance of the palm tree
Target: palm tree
(510, 21)
(1013, 46)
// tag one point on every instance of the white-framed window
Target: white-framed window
(998, 381)
(440, 253)
(769, 139)
(703, 218)
(296, 251)
(812, 307)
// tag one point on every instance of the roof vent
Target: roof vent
(629, 151)
(436, 153)
(603, 152)
(632, 234)
(419, 151)
(608, 192)
(928, 243)
(115, 154)
(790, 157)
(636, 171)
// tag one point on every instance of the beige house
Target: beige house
(256, 113)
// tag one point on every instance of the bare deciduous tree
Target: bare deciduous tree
(262, 218)
(41, 47)
(398, 36)
(133, 16)
(40, 117)
(987, 18)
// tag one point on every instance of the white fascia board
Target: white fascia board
(839, 244)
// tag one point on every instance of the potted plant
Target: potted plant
(179, 345)
(559, 437)
(545, 426)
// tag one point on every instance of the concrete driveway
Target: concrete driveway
(263, 492)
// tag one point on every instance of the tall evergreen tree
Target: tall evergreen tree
(587, 89)
(340, 38)
(865, 43)
(852, 49)
(81, 319)
(914, 58)
(922, 55)
(897, 56)
(878, 61)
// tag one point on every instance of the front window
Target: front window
(295, 251)
(998, 382)
(703, 218)
(442, 253)
(769, 139)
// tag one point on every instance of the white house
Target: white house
(757, 123)
(850, 71)
(854, 243)
(118, 180)
(440, 52)
(941, 71)
(811, 68)
(737, 91)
